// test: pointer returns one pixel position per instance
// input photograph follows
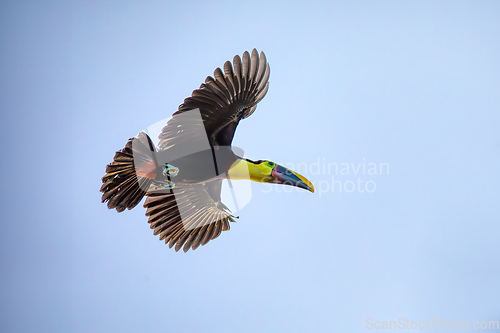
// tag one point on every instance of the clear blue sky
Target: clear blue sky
(412, 85)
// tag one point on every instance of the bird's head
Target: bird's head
(264, 171)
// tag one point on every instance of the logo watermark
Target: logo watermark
(430, 324)
(176, 157)
(338, 177)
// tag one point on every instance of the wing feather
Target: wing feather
(254, 60)
(237, 74)
(203, 217)
(227, 97)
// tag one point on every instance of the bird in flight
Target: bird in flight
(182, 176)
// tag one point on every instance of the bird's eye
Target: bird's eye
(271, 164)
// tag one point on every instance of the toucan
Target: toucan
(182, 175)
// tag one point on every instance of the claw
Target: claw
(167, 184)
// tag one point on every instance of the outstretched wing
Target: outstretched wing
(189, 218)
(223, 100)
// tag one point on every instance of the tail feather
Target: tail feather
(122, 188)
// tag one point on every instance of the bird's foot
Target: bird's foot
(166, 184)
(170, 170)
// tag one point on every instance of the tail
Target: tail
(128, 178)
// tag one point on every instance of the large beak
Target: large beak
(287, 177)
